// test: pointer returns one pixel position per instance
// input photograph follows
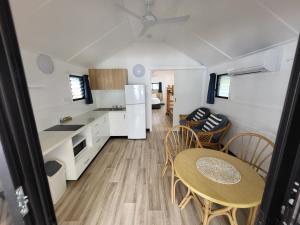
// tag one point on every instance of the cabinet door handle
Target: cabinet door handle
(124, 116)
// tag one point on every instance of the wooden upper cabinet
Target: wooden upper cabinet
(108, 79)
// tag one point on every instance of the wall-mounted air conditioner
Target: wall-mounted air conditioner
(267, 61)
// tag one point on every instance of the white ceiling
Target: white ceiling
(87, 32)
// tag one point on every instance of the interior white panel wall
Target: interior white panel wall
(50, 94)
(187, 92)
(256, 100)
(166, 77)
(152, 56)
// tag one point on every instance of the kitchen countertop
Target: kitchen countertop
(110, 109)
(86, 118)
(50, 140)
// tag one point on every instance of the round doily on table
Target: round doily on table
(218, 170)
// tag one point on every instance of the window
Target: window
(77, 89)
(155, 86)
(223, 85)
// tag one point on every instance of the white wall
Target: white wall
(152, 56)
(187, 92)
(256, 100)
(164, 76)
(50, 94)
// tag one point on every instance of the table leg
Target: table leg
(252, 215)
(233, 215)
(185, 200)
(206, 212)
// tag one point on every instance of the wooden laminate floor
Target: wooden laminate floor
(123, 186)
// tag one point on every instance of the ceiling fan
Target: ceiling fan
(149, 19)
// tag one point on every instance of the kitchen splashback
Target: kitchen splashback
(108, 98)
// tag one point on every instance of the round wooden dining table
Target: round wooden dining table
(247, 193)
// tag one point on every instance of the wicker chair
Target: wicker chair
(186, 121)
(178, 138)
(206, 138)
(189, 123)
(214, 138)
(255, 149)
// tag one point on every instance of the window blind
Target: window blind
(77, 88)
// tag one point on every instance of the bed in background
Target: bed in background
(156, 104)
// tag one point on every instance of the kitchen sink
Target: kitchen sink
(64, 127)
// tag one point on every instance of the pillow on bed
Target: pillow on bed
(155, 101)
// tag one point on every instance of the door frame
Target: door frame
(20, 140)
(12, 211)
(287, 148)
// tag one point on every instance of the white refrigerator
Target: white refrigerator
(135, 98)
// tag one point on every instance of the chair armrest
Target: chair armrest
(193, 123)
(224, 149)
(206, 137)
(182, 116)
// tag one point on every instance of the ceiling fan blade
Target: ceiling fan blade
(143, 31)
(173, 19)
(129, 11)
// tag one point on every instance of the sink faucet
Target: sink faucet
(65, 119)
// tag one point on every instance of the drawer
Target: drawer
(98, 140)
(97, 133)
(83, 163)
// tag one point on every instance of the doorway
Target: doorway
(162, 82)
(172, 91)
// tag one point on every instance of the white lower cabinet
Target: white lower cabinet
(100, 132)
(118, 123)
(96, 135)
(83, 162)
